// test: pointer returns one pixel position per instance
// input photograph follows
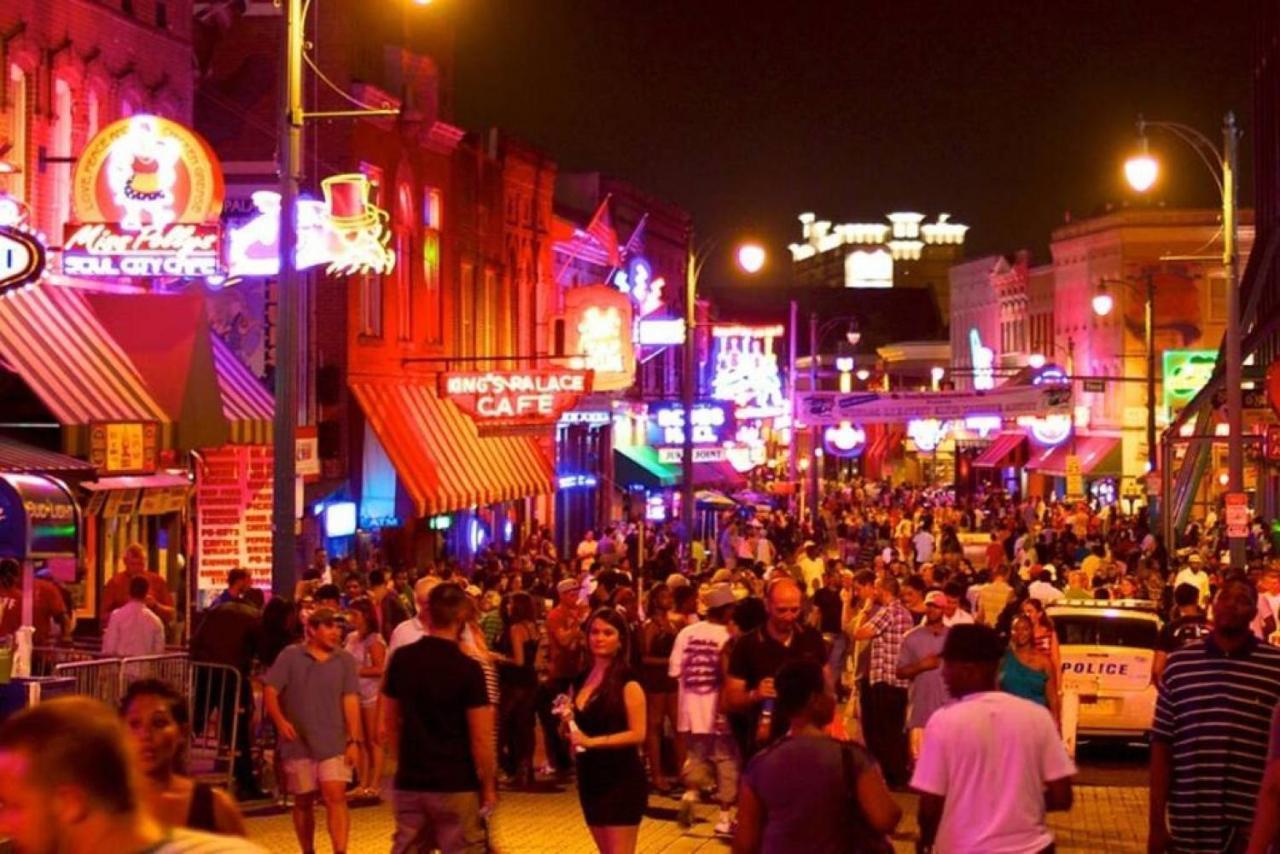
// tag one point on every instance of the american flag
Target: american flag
(601, 230)
(637, 235)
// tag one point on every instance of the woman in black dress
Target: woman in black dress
(606, 730)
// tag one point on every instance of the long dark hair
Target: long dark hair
(619, 670)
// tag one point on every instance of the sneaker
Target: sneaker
(725, 826)
(684, 814)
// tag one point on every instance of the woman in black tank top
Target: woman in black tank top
(156, 717)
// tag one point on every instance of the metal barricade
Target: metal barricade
(172, 668)
(221, 709)
(45, 658)
(96, 678)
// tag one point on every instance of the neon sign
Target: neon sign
(22, 257)
(638, 281)
(747, 371)
(983, 425)
(667, 423)
(705, 454)
(983, 359)
(660, 331)
(844, 440)
(109, 250)
(1185, 373)
(576, 481)
(927, 433)
(515, 397)
(345, 232)
(146, 171)
(1049, 430)
(598, 335)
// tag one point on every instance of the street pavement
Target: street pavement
(1104, 818)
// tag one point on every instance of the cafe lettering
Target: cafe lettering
(515, 397)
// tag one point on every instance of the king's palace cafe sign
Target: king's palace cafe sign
(515, 398)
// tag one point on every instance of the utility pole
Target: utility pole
(1234, 371)
(688, 394)
(815, 454)
(284, 504)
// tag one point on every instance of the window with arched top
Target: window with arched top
(402, 224)
(60, 146)
(13, 133)
(431, 265)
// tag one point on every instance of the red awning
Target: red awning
(441, 459)
(1008, 449)
(1099, 456)
(133, 357)
(51, 338)
(720, 473)
(19, 458)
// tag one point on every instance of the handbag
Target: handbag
(861, 838)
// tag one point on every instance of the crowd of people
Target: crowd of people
(796, 674)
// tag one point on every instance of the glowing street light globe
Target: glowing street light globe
(1102, 303)
(863, 374)
(751, 257)
(1141, 171)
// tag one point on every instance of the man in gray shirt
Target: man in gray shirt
(920, 661)
(312, 695)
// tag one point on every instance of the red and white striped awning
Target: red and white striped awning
(248, 407)
(51, 338)
(143, 357)
(439, 455)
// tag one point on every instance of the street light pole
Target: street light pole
(284, 502)
(1234, 371)
(815, 454)
(687, 393)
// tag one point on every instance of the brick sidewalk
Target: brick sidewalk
(1111, 819)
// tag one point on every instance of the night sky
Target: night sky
(1004, 114)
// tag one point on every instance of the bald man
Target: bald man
(758, 655)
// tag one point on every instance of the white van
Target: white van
(1108, 650)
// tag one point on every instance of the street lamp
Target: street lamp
(1102, 301)
(750, 258)
(292, 114)
(852, 334)
(1102, 305)
(1221, 164)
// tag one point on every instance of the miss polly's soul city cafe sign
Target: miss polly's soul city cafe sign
(507, 398)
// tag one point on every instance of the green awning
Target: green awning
(638, 465)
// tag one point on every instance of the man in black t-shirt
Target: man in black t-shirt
(1188, 625)
(436, 707)
(758, 655)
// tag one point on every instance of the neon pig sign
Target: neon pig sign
(146, 196)
(1052, 429)
(345, 232)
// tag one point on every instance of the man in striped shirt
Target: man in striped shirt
(1209, 741)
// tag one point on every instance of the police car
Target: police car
(1108, 650)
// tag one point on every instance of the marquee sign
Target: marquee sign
(107, 250)
(346, 232)
(22, 258)
(146, 172)
(597, 326)
(826, 407)
(493, 398)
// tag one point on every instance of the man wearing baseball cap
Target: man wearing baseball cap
(712, 755)
(313, 697)
(920, 660)
(992, 764)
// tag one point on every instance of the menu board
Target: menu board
(233, 515)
